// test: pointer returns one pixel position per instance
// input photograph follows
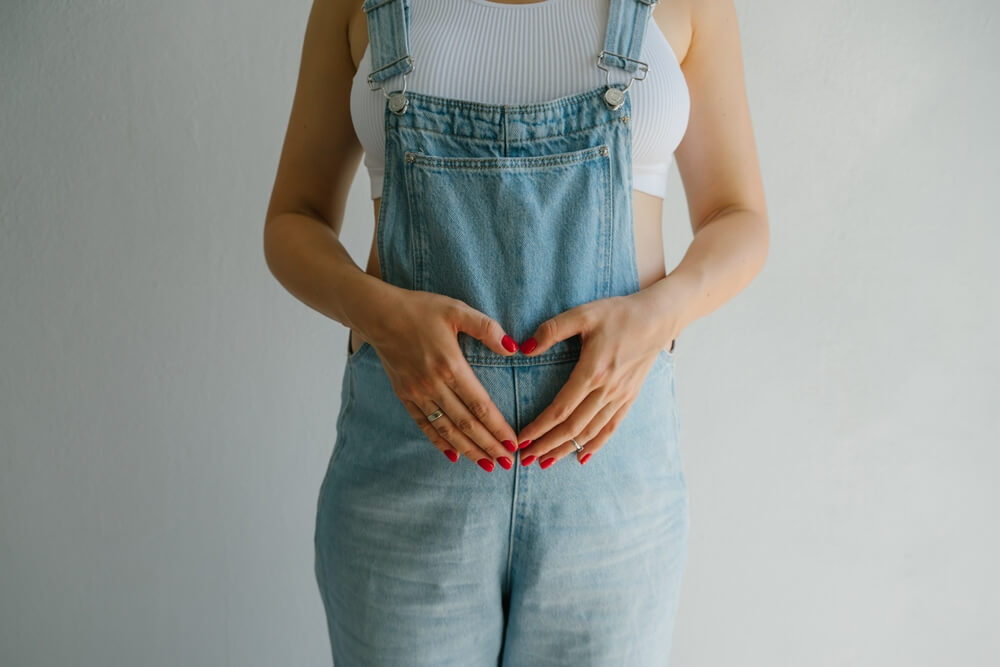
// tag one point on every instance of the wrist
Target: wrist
(367, 296)
(669, 301)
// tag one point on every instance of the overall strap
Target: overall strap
(626, 27)
(389, 45)
(388, 39)
(627, 21)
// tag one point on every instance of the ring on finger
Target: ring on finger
(437, 414)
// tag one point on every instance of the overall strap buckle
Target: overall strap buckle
(398, 101)
(627, 21)
(389, 47)
(615, 97)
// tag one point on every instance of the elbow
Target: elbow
(271, 242)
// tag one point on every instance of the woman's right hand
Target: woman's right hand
(416, 338)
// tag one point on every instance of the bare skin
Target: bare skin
(414, 332)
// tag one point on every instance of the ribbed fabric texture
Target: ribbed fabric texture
(496, 53)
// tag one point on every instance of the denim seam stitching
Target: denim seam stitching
(516, 109)
(607, 223)
(416, 240)
(514, 142)
(523, 163)
(540, 360)
(385, 269)
(513, 503)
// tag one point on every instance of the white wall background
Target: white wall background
(167, 408)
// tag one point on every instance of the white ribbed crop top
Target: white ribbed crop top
(497, 53)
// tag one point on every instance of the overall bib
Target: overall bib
(521, 211)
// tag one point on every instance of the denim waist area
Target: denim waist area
(477, 354)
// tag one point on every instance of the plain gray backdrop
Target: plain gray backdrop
(167, 409)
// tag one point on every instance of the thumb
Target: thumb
(555, 329)
(483, 327)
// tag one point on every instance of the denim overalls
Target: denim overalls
(521, 211)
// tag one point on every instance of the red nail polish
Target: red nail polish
(583, 459)
(451, 454)
(508, 343)
(509, 444)
(547, 462)
(529, 345)
(485, 464)
(505, 462)
(524, 444)
(528, 460)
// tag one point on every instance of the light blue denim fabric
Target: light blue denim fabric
(521, 211)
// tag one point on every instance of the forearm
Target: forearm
(308, 259)
(724, 256)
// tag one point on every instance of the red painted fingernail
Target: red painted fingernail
(547, 462)
(508, 343)
(451, 454)
(583, 459)
(505, 462)
(524, 444)
(485, 464)
(528, 460)
(509, 444)
(529, 345)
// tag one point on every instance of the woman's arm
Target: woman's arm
(413, 332)
(718, 163)
(318, 162)
(622, 336)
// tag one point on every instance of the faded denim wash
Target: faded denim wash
(521, 211)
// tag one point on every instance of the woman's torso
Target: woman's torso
(671, 17)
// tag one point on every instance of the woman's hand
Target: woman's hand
(620, 343)
(417, 340)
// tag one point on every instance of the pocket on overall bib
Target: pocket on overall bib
(518, 238)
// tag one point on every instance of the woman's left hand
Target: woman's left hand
(620, 343)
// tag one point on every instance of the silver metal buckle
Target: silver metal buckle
(643, 67)
(397, 99)
(407, 58)
(614, 96)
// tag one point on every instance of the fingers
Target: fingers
(568, 323)
(480, 325)
(471, 425)
(446, 437)
(611, 417)
(580, 383)
(583, 424)
(598, 441)
(419, 417)
(465, 431)
(470, 407)
(588, 407)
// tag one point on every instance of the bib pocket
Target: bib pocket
(518, 238)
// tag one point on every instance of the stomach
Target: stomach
(647, 212)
